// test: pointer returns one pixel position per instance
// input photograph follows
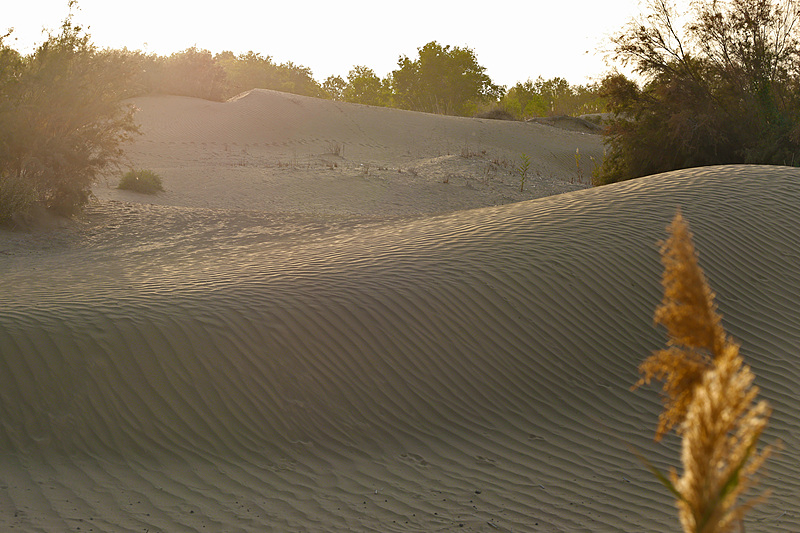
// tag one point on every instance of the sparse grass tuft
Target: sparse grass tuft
(709, 397)
(141, 181)
(335, 148)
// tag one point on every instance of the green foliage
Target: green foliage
(61, 120)
(199, 74)
(254, 71)
(443, 80)
(333, 87)
(141, 181)
(726, 90)
(552, 97)
(365, 87)
(194, 73)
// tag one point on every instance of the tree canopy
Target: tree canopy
(723, 89)
(550, 97)
(443, 79)
(252, 70)
(365, 87)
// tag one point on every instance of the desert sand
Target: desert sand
(346, 318)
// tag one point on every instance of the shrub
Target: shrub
(62, 122)
(522, 170)
(543, 98)
(141, 181)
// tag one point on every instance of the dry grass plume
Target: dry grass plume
(709, 396)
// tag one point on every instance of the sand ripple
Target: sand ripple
(184, 369)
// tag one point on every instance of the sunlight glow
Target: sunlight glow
(514, 41)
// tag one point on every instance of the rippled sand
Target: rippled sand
(173, 367)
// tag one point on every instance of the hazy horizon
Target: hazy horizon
(525, 40)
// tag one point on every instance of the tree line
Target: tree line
(442, 79)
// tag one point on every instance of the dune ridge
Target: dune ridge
(461, 371)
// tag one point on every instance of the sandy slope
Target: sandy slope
(175, 368)
(277, 152)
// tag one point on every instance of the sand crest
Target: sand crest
(178, 367)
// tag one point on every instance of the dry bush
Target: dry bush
(62, 121)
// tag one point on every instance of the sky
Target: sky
(514, 40)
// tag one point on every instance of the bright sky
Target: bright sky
(515, 40)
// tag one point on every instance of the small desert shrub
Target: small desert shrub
(142, 181)
(336, 149)
(709, 397)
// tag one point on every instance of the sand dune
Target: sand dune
(177, 368)
(279, 153)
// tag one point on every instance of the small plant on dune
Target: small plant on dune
(142, 181)
(335, 148)
(596, 179)
(709, 397)
(522, 170)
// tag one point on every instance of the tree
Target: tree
(725, 89)
(254, 71)
(446, 80)
(196, 73)
(365, 87)
(552, 97)
(523, 100)
(556, 93)
(298, 79)
(62, 122)
(333, 87)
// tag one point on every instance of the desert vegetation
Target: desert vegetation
(141, 181)
(709, 397)
(62, 123)
(363, 86)
(724, 88)
(542, 98)
(443, 79)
